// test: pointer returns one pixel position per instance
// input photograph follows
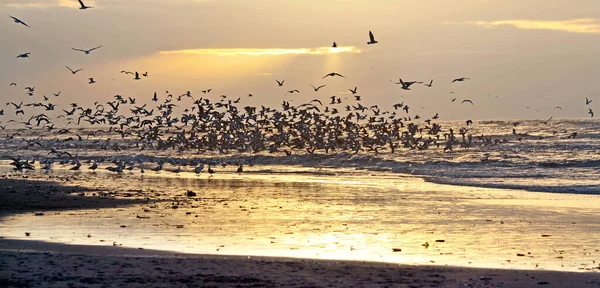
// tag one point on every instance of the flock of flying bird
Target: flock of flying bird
(226, 126)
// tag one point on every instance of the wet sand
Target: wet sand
(290, 216)
(35, 264)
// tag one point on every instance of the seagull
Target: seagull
(18, 21)
(334, 45)
(453, 99)
(24, 55)
(83, 7)
(430, 84)
(332, 74)
(86, 51)
(460, 79)
(57, 94)
(546, 122)
(92, 81)
(292, 91)
(469, 101)
(126, 72)
(353, 91)
(280, 83)
(317, 88)
(13, 84)
(137, 76)
(145, 74)
(371, 39)
(591, 112)
(73, 71)
(406, 85)
(558, 107)
(587, 101)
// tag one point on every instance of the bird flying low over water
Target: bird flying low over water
(332, 74)
(86, 51)
(591, 112)
(371, 39)
(334, 45)
(24, 55)
(18, 21)
(83, 7)
(460, 79)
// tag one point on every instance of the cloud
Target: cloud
(586, 25)
(266, 51)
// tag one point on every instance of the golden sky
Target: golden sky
(535, 53)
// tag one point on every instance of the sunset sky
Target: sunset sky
(536, 53)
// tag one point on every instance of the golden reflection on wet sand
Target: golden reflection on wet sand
(352, 216)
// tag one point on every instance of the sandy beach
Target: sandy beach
(119, 231)
(34, 264)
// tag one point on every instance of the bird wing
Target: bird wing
(81, 3)
(371, 37)
(78, 49)
(94, 47)
(69, 69)
(321, 87)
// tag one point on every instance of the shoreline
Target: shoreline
(97, 266)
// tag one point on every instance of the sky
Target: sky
(523, 58)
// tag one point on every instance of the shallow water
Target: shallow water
(328, 213)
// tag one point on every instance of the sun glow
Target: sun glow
(266, 51)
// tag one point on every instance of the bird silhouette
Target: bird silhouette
(86, 51)
(371, 39)
(332, 74)
(460, 79)
(73, 71)
(317, 88)
(18, 21)
(82, 6)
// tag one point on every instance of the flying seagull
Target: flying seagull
(468, 101)
(73, 71)
(24, 55)
(591, 112)
(587, 101)
(461, 79)
(18, 21)
(332, 74)
(13, 84)
(137, 76)
(86, 51)
(280, 83)
(92, 81)
(430, 84)
(83, 5)
(334, 45)
(371, 39)
(317, 88)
